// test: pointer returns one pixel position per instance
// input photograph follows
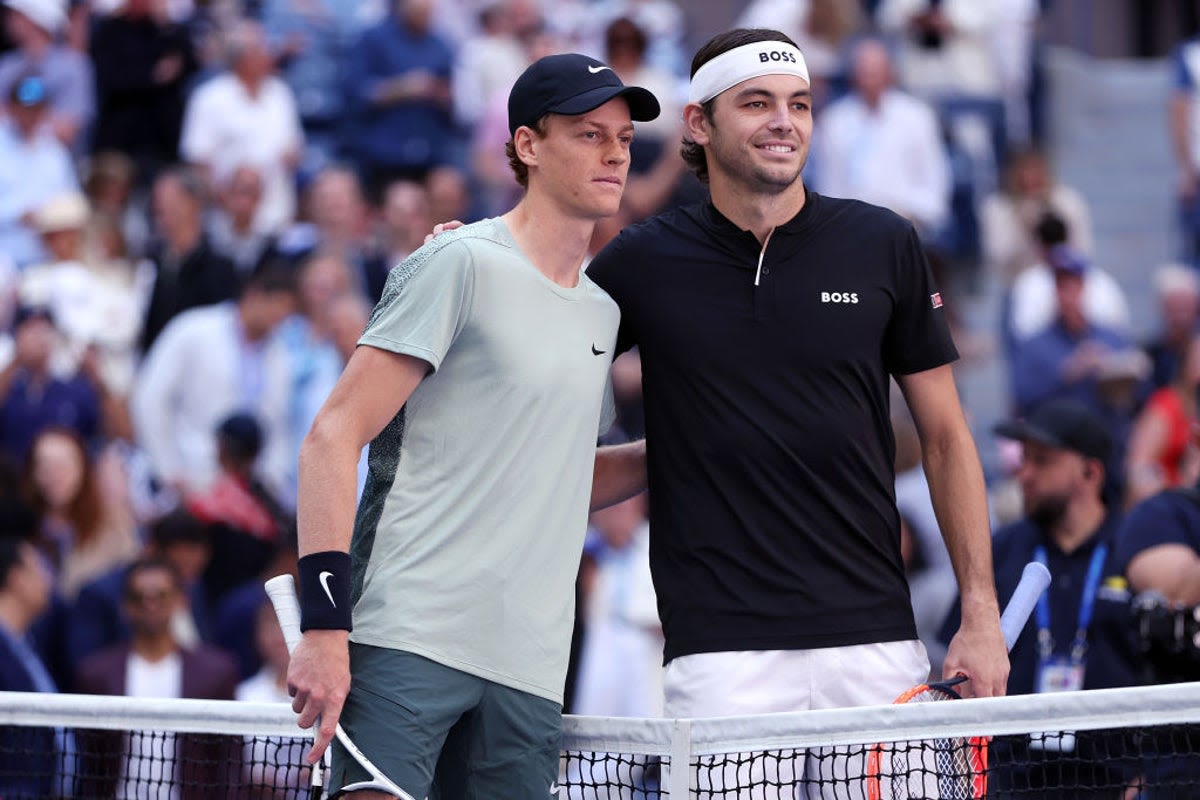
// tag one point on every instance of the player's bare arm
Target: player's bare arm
(373, 387)
(619, 473)
(957, 489)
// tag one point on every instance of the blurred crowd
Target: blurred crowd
(200, 202)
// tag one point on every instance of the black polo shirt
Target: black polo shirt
(770, 448)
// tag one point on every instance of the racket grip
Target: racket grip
(282, 591)
(1034, 580)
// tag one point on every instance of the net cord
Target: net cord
(1091, 710)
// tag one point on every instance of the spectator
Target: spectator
(337, 222)
(488, 64)
(1081, 635)
(246, 523)
(449, 195)
(1177, 288)
(884, 146)
(311, 40)
(33, 398)
(399, 79)
(83, 533)
(1122, 384)
(1031, 300)
(34, 26)
(272, 766)
(208, 363)
(1184, 111)
(620, 672)
(95, 621)
(153, 663)
(405, 219)
(1161, 432)
(109, 185)
(247, 116)
(188, 273)
(34, 166)
(231, 228)
(1062, 360)
(25, 592)
(143, 64)
(1009, 218)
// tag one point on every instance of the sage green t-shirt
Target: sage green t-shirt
(469, 532)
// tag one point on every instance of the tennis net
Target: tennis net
(1141, 743)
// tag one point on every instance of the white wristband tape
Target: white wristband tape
(743, 63)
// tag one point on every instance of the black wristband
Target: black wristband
(325, 591)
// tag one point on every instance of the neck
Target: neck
(1078, 525)
(184, 240)
(754, 211)
(251, 82)
(555, 243)
(154, 647)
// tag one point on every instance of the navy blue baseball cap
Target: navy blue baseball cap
(1063, 424)
(570, 83)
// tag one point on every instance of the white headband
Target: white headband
(743, 63)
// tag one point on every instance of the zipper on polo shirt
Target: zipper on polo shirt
(761, 255)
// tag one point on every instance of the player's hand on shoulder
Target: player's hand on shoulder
(443, 227)
(978, 652)
(318, 681)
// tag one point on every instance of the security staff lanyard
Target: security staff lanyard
(1054, 675)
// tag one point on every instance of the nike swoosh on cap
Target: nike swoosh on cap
(594, 70)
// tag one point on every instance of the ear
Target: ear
(696, 124)
(525, 142)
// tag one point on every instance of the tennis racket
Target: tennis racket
(951, 768)
(282, 591)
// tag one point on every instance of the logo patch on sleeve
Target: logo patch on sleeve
(936, 299)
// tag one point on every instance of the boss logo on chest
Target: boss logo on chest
(839, 297)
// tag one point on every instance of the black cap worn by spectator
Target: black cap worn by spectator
(241, 433)
(1065, 424)
(25, 313)
(571, 84)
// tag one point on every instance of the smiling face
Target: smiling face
(582, 161)
(758, 135)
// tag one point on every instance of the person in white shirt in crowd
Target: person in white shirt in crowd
(34, 167)
(208, 363)
(247, 115)
(1008, 217)
(1032, 306)
(620, 671)
(34, 27)
(489, 63)
(884, 146)
(231, 224)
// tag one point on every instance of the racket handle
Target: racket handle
(282, 591)
(1034, 581)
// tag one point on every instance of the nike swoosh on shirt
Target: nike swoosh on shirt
(324, 579)
(596, 352)
(594, 70)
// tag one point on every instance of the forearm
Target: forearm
(328, 481)
(956, 487)
(618, 474)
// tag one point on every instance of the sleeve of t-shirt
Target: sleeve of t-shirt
(425, 303)
(1155, 521)
(918, 336)
(607, 271)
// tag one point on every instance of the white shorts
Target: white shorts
(770, 681)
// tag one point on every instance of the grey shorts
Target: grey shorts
(441, 733)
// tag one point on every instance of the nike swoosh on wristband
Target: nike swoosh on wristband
(324, 579)
(594, 70)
